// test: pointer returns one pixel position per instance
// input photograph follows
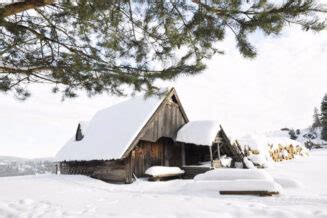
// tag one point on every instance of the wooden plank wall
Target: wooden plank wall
(166, 123)
(156, 146)
(162, 153)
(109, 171)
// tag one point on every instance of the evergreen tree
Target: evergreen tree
(105, 46)
(298, 132)
(316, 118)
(324, 118)
(292, 134)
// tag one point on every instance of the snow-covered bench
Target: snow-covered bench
(158, 173)
(238, 182)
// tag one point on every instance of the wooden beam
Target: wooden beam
(218, 150)
(132, 164)
(236, 152)
(60, 168)
(166, 154)
(183, 154)
(258, 193)
(211, 157)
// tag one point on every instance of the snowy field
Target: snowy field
(304, 183)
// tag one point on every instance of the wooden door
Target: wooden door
(147, 154)
(156, 157)
(138, 162)
(161, 153)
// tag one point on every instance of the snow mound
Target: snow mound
(236, 185)
(202, 132)
(248, 163)
(239, 165)
(226, 161)
(261, 160)
(236, 180)
(156, 171)
(288, 183)
(234, 174)
(111, 131)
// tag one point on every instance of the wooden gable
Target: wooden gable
(165, 122)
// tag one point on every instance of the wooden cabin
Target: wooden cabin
(122, 141)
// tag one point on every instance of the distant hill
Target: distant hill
(302, 135)
(16, 166)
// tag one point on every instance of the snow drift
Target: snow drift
(156, 171)
(237, 180)
(234, 174)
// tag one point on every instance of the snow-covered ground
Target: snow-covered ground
(304, 182)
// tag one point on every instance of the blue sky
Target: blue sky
(279, 88)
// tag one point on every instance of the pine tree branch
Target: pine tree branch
(18, 7)
(27, 71)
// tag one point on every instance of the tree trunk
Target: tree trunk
(18, 7)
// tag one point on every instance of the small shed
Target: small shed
(121, 142)
(205, 141)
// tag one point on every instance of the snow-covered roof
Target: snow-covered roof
(111, 131)
(84, 125)
(201, 132)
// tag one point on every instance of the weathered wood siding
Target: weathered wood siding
(162, 153)
(156, 146)
(165, 123)
(109, 171)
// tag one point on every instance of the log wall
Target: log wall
(164, 152)
(109, 171)
(165, 123)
